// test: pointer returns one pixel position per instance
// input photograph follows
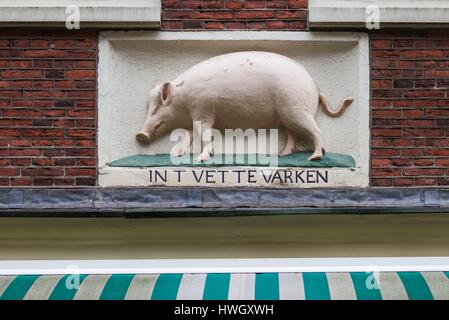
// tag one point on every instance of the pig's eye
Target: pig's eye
(154, 109)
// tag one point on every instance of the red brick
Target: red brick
(377, 84)
(376, 182)
(424, 43)
(21, 181)
(235, 25)
(380, 163)
(9, 172)
(11, 53)
(21, 162)
(192, 4)
(386, 172)
(436, 73)
(172, 25)
(386, 53)
(80, 133)
(297, 4)
(419, 54)
(255, 4)
(425, 64)
(437, 152)
(234, 4)
(386, 114)
(85, 181)
(403, 43)
(86, 43)
(423, 172)
(276, 24)
(85, 143)
(43, 63)
(22, 73)
(85, 64)
(81, 74)
(44, 53)
(211, 4)
(43, 182)
(21, 43)
(253, 14)
(171, 4)
(259, 25)
(215, 25)
(20, 152)
(402, 162)
(60, 182)
(425, 182)
(387, 132)
(64, 162)
(20, 143)
(85, 162)
(415, 152)
(425, 162)
(21, 64)
(385, 152)
(297, 25)
(43, 133)
(40, 43)
(286, 15)
(80, 172)
(444, 181)
(403, 182)
(278, 4)
(433, 132)
(11, 94)
(42, 172)
(42, 162)
(81, 113)
(9, 132)
(442, 162)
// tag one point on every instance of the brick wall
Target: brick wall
(234, 15)
(410, 108)
(47, 107)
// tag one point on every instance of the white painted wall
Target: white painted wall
(144, 13)
(352, 12)
(257, 237)
(131, 62)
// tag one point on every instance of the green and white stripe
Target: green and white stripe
(230, 286)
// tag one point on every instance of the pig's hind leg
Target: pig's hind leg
(303, 123)
(289, 145)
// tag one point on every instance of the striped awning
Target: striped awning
(226, 286)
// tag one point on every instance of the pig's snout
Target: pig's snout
(143, 137)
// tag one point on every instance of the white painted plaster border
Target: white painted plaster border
(110, 13)
(344, 13)
(118, 176)
(142, 266)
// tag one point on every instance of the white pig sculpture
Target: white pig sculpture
(259, 90)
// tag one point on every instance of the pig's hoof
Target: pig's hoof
(202, 158)
(315, 157)
(177, 153)
(286, 152)
(143, 137)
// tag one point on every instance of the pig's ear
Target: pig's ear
(166, 93)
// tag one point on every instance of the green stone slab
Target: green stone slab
(298, 159)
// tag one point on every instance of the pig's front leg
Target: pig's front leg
(204, 128)
(184, 148)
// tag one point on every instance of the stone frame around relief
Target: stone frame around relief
(129, 60)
